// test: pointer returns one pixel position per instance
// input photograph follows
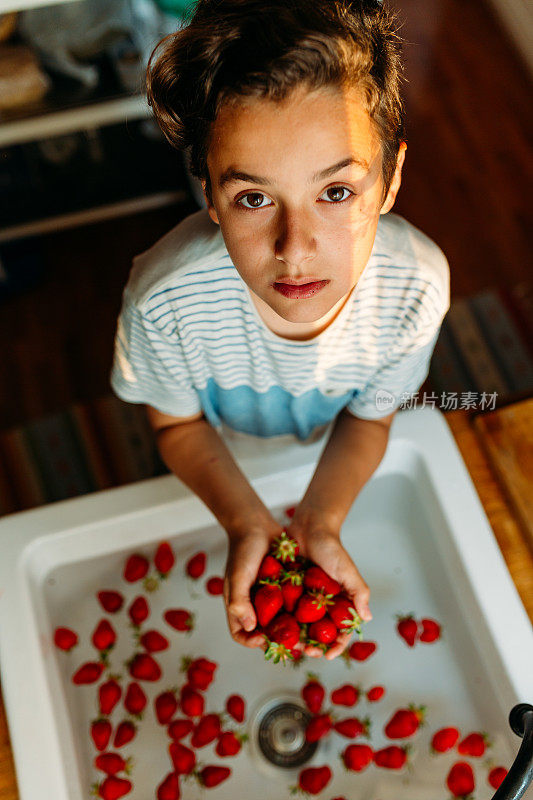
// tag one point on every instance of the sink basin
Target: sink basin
(418, 535)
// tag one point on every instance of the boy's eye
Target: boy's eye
(334, 194)
(253, 200)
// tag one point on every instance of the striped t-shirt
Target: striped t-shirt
(190, 339)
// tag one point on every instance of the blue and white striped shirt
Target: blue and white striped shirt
(190, 339)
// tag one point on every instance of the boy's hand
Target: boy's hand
(323, 546)
(246, 551)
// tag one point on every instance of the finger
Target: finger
(339, 646)
(249, 639)
(359, 592)
(241, 614)
(313, 652)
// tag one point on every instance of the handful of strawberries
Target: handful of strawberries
(296, 601)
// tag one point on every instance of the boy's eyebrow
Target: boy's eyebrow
(232, 175)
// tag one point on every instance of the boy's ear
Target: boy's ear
(396, 180)
(210, 207)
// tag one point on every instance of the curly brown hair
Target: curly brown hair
(265, 48)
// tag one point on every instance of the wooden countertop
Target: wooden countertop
(505, 524)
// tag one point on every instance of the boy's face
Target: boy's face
(298, 238)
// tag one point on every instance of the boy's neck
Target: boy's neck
(300, 331)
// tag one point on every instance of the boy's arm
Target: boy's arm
(353, 452)
(192, 449)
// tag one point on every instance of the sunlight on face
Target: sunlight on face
(296, 189)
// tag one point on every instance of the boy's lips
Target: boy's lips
(299, 290)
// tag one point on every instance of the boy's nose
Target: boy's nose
(295, 241)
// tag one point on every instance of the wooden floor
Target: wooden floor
(466, 177)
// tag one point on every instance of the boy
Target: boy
(294, 300)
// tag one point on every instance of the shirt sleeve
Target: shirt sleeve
(148, 367)
(405, 366)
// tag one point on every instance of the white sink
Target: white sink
(420, 538)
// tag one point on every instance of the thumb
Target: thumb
(241, 612)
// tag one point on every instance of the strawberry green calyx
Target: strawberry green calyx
(320, 599)
(284, 548)
(321, 645)
(277, 652)
(353, 623)
(293, 575)
(420, 712)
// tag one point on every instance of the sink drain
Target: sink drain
(280, 732)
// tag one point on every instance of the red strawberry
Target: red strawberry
(236, 707)
(346, 695)
(283, 634)
(496, 777)
(284, 548)
(289, 512)
(195, 566)
(180, 728)
(316, 578)
(104, 636)
(344, 615)
(154, 642)
(291, 590)
(460, 780)
(318, 727)
(357, 757)
(430, 630)
(101, 733)
(204, 663)
(199, 678)
(269, 569)
(113, 788)
(200, 672)
(267, 602)
(215, 585)
(211, 776)
(352, 727)
(183, 758)
(391, 757)
(164, 559)
(314, 779)
(138, 610)
(360, 651)
(206, 731)
(135, 699)
(166, 706)
(169, 788)
(312, 607)
(144, 668)
(110, 763)
(375, 693)
(65, 639)
(324, 631)
(192, 702)
(407, 627)
(444, 740)
(88, 673)
(180, 619)
(136, 568)
(109, 694)
(228, 744)
(474, 744)
(111, 601)
(125, 733)
(313, 694)
(404, 722)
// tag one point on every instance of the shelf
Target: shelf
(69, 120)
(92, 215)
